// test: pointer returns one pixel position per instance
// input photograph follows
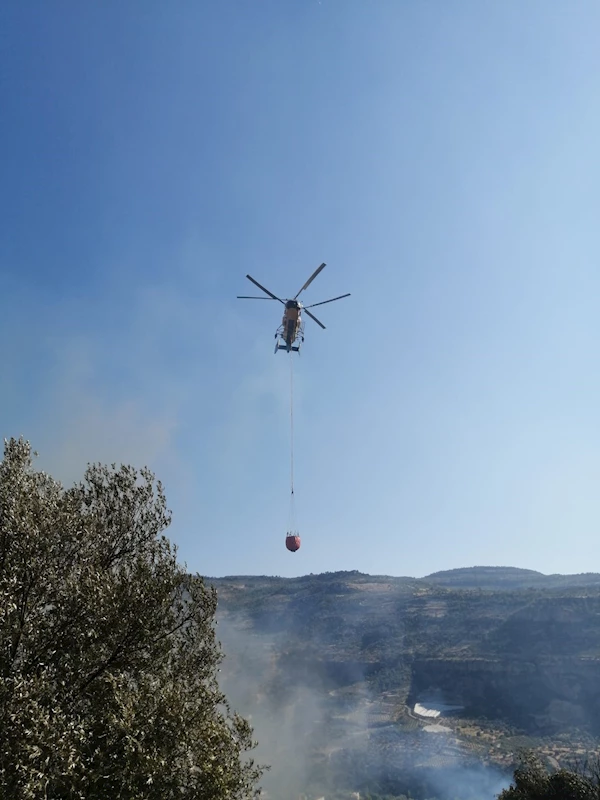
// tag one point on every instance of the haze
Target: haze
(441, 158)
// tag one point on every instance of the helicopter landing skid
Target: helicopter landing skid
(292, 349)
(280, 343)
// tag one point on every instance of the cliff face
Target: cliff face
(528, 657)
(330, 667)
(534, 662)
(545, 696)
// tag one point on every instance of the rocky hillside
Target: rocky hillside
(366, 670)
(498, 578)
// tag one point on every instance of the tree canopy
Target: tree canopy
(532, 781)
(108, 652)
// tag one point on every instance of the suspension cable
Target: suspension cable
(291, 423)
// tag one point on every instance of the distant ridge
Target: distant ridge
(482, 577)
(486, 571)
(478, 577)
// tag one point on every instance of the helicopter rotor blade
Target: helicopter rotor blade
(246, 297)
(312, 316)
(266, 291)
(310, 280)
(322, 303)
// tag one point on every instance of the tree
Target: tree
(108, 653)
(533, 782)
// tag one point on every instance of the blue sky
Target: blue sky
(442, 158)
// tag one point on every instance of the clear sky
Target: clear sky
(442, 158)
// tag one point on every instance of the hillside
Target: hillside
(400, 682)
(498, 578)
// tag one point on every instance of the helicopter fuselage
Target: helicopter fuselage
(291, 328)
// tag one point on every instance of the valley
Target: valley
(388, 685)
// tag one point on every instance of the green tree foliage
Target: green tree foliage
(108, 655)
(533, 782)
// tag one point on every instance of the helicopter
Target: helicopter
(290, 334)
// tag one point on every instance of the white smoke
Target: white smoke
(315, 737)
